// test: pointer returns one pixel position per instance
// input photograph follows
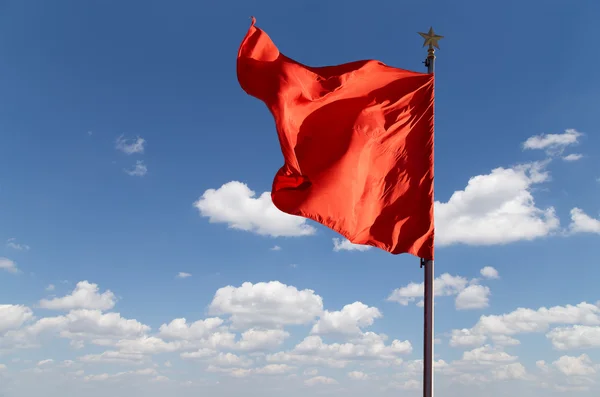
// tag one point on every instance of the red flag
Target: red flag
(357, 140)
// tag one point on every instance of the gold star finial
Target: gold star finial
(431, 39)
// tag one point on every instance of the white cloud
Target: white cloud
(274, 369)
(527, 320)
(276, 248)
(8, 265)
(139, 169)
(573, 157)
(13, 316)
(541, 364)
(575, 337)
(444, 285)
(524, 320)
(183, 275)
(84, 296)
(236, 205)
(553, 143)
(358, 358)
(45, 362)
(358, 375)
(114, 357)
(465, 337)
(91, 325)
(150, 345)
(231, 360)
(473, 297)
(199, 354)
(50, 287)
(260, 339)
(77, 344)
(271, 369)
(271, 304)
(179, 329)
(105, 376)
(496, 208)
(487, 355)
(510, 372)
(235, 372)
(489, 273)
(368, 346)
(583, 223)
(12, 243)
(503, 340)
(348, 321)
(320, 380)
(130, 146)
(575, 366)
(346, 245)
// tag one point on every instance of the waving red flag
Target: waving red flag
(357, 140)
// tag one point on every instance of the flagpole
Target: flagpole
(431, 40)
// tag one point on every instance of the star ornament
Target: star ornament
(431, 39)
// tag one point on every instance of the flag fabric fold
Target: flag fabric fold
(357, 142)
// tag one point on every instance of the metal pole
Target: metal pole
(428, 326)
(431, 40)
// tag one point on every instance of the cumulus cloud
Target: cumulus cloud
(320, 380)
(510, 372)
(241, 343)
(8, 265)
(489, 273)
(139, 169)
(487, 355)
(583, 223)
(45, 362)
(465, 337)
(573, 157)
(12, 243)
(271, 304)
(468, 297)
(180, 329)
(114, 357)
(90, 325)
(347, 321)
(85, 296)
(13, 316)
(236, 205)
(444, 285)
(496, 208)
(473, 297)
(125, 374)
(575, 366)
(575, 337)
(368, 346)
(358, 375)
(343, 244)
(262, 339)
(553, 143)
(130, 146)
(524, 320)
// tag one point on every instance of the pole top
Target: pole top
(431, 39)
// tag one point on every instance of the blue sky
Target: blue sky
(118, 118)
